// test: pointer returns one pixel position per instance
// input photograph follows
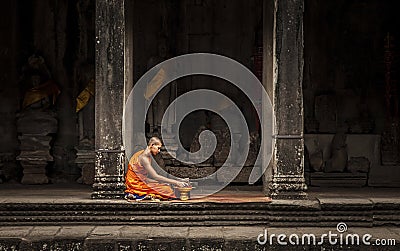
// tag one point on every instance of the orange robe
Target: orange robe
(135, 181)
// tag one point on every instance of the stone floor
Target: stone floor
(81, 193)
(241, 194)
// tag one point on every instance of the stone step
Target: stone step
(294, 213)
(120, 237)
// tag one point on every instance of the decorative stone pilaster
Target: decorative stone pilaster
(85, 160)
(109, 181)
(109, 99)
(288, 169)
(35, 127)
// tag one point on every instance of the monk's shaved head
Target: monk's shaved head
(154, 141)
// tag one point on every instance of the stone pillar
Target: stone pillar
(288, 165)
(267, 81)
(9, 90)
(109, 100)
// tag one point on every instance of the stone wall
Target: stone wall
(8, 92)
(343, 61)
(62, 32)
(345, 80)
(344, 64)
(228, 28)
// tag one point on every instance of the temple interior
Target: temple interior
(350, 86)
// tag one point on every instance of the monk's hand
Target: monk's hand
(186, 180)
(181, 183)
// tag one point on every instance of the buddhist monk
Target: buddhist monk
(138, 183)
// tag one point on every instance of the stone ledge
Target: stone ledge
(178, 238)
(321, 212)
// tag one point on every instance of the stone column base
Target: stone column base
(108, 187)
(288, 187)
(34, 178)
(109, 177)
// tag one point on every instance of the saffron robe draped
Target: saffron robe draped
(136, 181)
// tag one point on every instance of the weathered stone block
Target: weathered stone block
(160, 160)
(168, 162)
(88, 171)
(338, 179)
(165, 155)
(36, 155)
(124, 246)
(34, 170)
(325, 113)
(358, 164)
(37, 122)
(161, 244)
(191, 172)
(207, 244)
(34, 178)
(99, 244)
(34, 142)
(254, 148)
(242, 176)
(10, 244)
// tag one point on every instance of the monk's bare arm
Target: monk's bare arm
(148, 180)
(146, 163)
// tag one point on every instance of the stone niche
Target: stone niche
(194, 36)
(218, 158)
(85, 158)
(35, 128)
(9, 170)
(341, 159)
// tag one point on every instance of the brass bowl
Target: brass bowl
(184, 192)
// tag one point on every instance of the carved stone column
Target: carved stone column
(109, 100)
(288, 166)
